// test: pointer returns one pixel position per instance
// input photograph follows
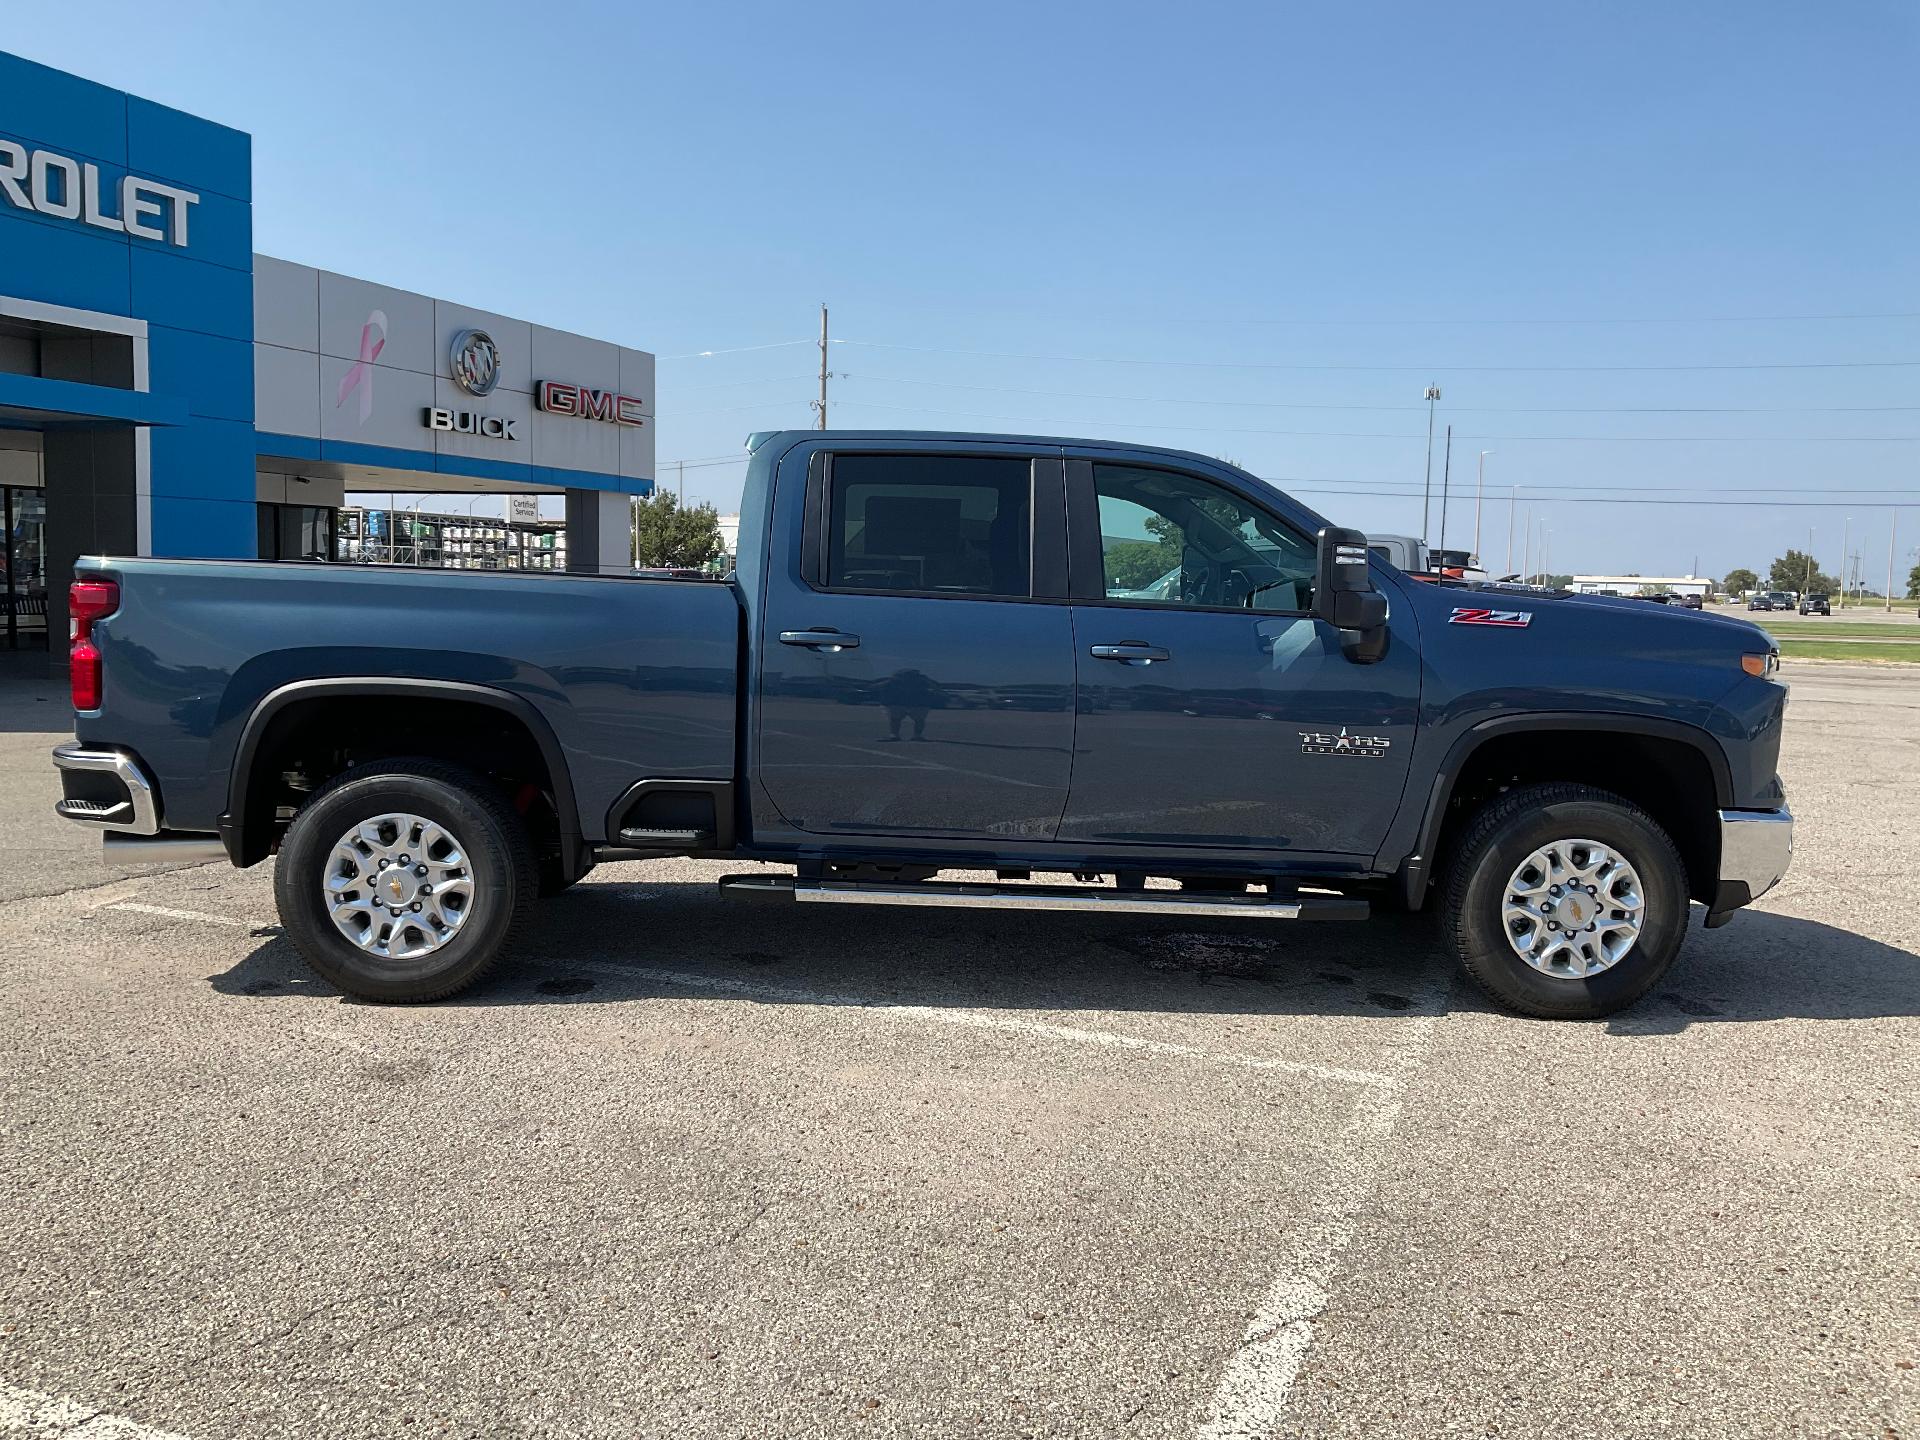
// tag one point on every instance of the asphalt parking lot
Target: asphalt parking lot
(695, 1169)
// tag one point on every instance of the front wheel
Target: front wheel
(404, 880)
(1565, 901)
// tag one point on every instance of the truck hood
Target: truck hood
(1631, 624)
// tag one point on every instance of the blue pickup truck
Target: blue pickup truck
(1142, 669)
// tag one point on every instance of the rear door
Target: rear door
(916, 648)
(1215, 709)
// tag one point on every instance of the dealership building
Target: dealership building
(166, 391)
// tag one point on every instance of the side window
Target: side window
(943, 525)
(1173, 539)
(934, 524)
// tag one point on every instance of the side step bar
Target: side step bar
(1044, 897)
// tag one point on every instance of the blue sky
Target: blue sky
(1383, 194)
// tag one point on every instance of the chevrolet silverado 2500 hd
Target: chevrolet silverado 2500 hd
(947, 652)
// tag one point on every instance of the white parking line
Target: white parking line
(1250, 1401)
(973, 1019)
(172, 914)
(39, 1416)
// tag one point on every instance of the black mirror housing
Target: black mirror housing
(1344, 597)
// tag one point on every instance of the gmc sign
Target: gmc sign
(557, 397)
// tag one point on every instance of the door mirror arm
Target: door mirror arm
(1344, 597)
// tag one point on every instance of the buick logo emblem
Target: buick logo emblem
(475, 362)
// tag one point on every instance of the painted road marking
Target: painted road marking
(1250, 1401)
(172, 914)
(51, 1417)
(972, 1019)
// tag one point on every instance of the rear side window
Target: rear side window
(930, 525)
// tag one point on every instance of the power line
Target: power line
(761, 380)
(1390, 409)
(1602, 499)
(1426, 369)
(737, 350)
(1388, 435)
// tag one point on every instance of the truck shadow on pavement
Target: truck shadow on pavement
(620, 943)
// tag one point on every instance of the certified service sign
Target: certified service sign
(475, 362)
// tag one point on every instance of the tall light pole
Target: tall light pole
(1526, 554)
(1893, 523)
(1426, 497)
(1446, 487)
(1513, 496)
(1807, 584)
(1846, 539)
(1479, 490)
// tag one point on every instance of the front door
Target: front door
(1214, 708)
(916, 649)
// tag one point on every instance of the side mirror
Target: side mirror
(1344, 597)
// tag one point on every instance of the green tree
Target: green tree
(667, 534)
(1913, 583)
(1797, 571)
(1739, 582)
(1133, 564)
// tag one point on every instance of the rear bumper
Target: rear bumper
(1756, 846)
(107, 789)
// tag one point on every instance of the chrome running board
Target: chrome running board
(1075, 898)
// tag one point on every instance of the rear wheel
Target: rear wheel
(1565, 901)
(404, 880)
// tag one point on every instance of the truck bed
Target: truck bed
(636, 677)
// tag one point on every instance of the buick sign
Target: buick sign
(475, 362)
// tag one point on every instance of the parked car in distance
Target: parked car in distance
(921, 665)
(1815, 605)
(1691, 602)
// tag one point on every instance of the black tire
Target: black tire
(1500, 838)
(505, 878)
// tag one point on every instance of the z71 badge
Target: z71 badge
(1318, 742)
(1507, 619)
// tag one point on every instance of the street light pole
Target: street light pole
(1426, 496)
(1479, 491)
(1513, 496)
(1446, 487)
(1526, 554)
(1846, 539)
(1893, 523)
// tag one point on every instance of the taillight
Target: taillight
(87, 601)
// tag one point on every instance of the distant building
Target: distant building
(729, 540)
(1634, 584)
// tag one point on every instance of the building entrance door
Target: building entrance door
(23, 568)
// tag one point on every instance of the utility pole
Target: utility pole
(821, 404)
(1446, 487)
(1426, 495)
(1526, 554)
(1479, 490)
(1807, 584)
(681, 486)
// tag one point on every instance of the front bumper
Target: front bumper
(1756, 846)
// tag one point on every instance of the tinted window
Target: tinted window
(1173, 539)
(937, 524)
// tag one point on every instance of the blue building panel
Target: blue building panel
(204, 459)
(188, 151)
(212, 373)
(64, 113)
(207, 529)
(58, 265)
(169, 289)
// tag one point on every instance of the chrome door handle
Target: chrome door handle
(831, 641)
(1130, 652)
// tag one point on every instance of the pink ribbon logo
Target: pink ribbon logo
(359, 376)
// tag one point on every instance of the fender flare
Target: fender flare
(246, 848)
(1415, 869)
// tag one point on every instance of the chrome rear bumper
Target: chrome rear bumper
(136, 812)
